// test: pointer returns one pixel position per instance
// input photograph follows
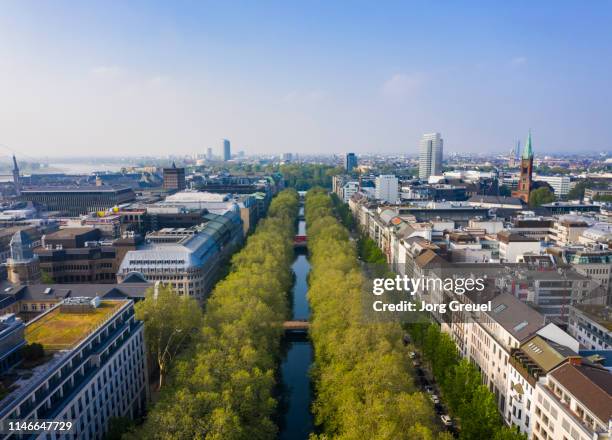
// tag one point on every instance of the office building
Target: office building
(350, 162)
(513, 245)
(387, 189)
(209, 154)
(187, 259)
(591, 325)
(78, 200)
(80, 255)
(525, 183)
(430, 155)
(89, 375)
(560, 184)
(226, 150)
(213, 202)
(287, 157)
(174, 178)
(11, 341)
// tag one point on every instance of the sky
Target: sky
(144, 77)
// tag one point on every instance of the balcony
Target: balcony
(526, 368)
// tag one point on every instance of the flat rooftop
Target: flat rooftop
(61, 330)
(89, 188)
(599, 313)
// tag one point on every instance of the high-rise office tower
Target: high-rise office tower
(209, 155)
(387, 188)
(350, 162)
(430, 155)
(227, 153)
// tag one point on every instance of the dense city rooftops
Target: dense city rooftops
(508, 236)
(543, 353)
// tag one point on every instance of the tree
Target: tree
(221, 386)
(540, 196)
(479, 417)
(45, 277)
(577, 192)
(170, 322)
(460, 383)
(504, 191)
(603, 198)
(33, 351)
(117, 427)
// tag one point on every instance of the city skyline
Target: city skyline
(149, 79)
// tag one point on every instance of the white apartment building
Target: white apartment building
(573, 402)
(488, 342)
(349, 189)
(430, 155)
(529, 363)
(567, 231)
(387, 188)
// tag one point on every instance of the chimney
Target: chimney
(575, 360)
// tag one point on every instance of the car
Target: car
(412, 355)
(429, 389)
(446, 420)
(434, 399)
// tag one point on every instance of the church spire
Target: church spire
(528, 150)
(16, 180)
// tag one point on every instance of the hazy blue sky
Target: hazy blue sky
(140, 77)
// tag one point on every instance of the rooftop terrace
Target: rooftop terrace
(62, 330)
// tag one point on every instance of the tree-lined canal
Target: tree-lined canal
(296, 398)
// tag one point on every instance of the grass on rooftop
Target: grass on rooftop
(59, 330)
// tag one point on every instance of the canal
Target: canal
(296, 423)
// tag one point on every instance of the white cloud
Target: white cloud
(402, 84)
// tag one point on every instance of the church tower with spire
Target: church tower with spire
(16, 180)
(525, 181)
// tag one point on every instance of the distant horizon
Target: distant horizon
(118, 157)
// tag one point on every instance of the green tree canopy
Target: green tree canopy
(171, 321)
(541, 196)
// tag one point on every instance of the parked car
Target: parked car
(446, 420)
(429, 389)
(434, 399)
(412, 355)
